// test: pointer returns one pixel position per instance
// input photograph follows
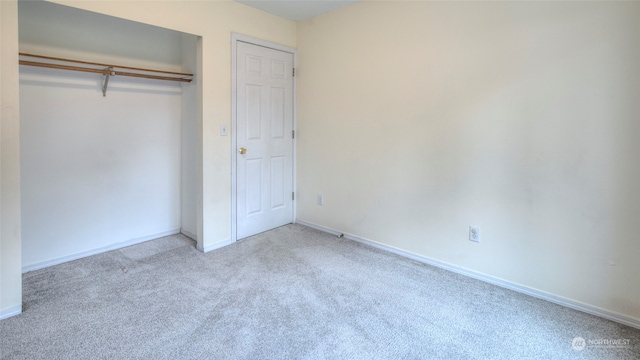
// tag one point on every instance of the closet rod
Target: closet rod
(108, 71)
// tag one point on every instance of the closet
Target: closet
(107, 160)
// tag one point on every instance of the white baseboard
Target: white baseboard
(97, 251)
(570, 303)
(215, 246)
(12, 311)
(188, 234)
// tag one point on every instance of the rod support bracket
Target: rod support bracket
(108, 72)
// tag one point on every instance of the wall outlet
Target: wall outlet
(320, 199)
(474, 233)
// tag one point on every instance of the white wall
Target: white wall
(418, 119)
(97, 172)
(10, 252)
(189, 147)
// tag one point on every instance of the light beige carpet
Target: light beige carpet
(290, 293)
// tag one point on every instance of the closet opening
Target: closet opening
(103, 172)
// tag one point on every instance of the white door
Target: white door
(264, 138)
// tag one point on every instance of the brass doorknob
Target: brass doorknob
(242, 151)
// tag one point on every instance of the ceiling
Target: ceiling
(297, 10)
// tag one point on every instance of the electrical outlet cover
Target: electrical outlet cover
(474, 233)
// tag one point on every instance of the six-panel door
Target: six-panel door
(264, 128)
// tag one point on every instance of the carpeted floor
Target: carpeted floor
(290, 293)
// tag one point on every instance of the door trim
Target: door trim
(235, 38)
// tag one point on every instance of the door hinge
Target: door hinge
(294, 72)
(293, 196)
(293, 134)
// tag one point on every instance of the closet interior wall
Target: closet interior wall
(103, 172)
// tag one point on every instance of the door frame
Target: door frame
(235, 38)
